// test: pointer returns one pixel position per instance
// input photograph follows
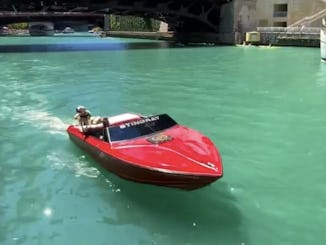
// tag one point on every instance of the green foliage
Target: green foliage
(19, 26)
(133, 23)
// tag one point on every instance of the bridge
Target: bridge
(16, 17)
(202, 19)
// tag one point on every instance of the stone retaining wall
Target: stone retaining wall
(285, 36)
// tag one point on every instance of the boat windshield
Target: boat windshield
(141, 127)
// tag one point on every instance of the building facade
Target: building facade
(283, 13)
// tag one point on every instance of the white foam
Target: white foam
(79, 167)
(4, 111)
(32, 60)
(43, 120)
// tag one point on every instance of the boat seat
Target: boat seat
(90, 128)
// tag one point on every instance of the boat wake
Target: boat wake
(78, 165)
(43, 121)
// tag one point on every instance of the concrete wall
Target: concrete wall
(249, 14)
(289, 36)
(237, 17)
(226, 33)
(245, 16)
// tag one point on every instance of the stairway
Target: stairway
(310, 21)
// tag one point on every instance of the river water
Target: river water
(263, 107)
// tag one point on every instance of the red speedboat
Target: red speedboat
(153, 150)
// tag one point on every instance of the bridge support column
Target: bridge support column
(244, 18)
(226, 26)
(237, 17)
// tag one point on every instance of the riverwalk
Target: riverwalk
(289, 36)
(276, 36)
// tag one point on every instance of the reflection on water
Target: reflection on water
(205, 218)
(109, 46)
(71, 43)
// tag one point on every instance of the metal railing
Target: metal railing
(309, 19)
(290, 30)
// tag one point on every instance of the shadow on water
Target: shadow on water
(210, 215)
(205, 216)
(87, 47)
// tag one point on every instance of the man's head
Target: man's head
(80, 109)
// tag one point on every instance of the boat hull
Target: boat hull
(144, 175)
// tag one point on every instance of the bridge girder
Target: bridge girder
(12, 17)
(181, 15)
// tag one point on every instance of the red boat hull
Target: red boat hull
(144, 175)
(153, 150)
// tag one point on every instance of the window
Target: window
(280, 24)
(141, 127)
(280, 10)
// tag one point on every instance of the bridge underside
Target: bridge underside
(182, 16)
(97, 19)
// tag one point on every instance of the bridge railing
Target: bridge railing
(289, 36)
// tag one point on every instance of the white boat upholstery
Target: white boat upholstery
(123, 118)
(90, 128)
(97, 123)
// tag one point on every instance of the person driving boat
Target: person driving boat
(82, 115)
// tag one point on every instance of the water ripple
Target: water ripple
(79, 166)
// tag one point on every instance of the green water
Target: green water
(263, 107)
